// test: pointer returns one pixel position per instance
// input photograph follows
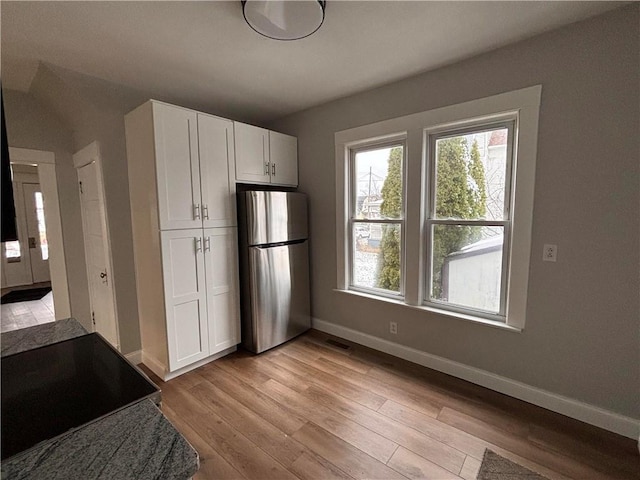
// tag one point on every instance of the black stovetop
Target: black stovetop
(50, 390)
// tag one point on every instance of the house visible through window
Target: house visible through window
(468, 219)
(377, 218)
(435, 208)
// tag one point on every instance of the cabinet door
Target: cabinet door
(216, 151)
(252, 153)
(185, 296)
(223, 304)
(178, 172)
(283, 155)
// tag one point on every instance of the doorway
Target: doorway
(97, 245)
(39, 226)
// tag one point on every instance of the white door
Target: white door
(216, 151)
(36, 232)
(97, 251)
(283, 155)
(252, 153)
(223, 309)
(178, 170)
(185, 296)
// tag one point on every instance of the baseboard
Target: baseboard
(134, 357)
(160, 370)
(613, 422)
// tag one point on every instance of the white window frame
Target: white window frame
(377, 144)
(432, 135)
(523, 103)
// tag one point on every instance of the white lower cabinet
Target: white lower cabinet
(201, 294)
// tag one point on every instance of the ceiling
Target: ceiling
(203, 52)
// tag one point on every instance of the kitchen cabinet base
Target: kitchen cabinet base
(161, 370)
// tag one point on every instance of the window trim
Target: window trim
(526, 102)
(353, 150)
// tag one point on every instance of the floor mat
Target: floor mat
(26, 295)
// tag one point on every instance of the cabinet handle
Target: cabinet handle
(205, 212)
(207, 244)
(198, 244)
(273, 169)
(196, 212)
(266, 168)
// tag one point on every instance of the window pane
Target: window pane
(467, 266)
(42, 229)
(378, 183)
(376, 256)
(12, 249)
(471, 175)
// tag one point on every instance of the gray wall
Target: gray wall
(581, 336)
(32, 125)
(66, 107)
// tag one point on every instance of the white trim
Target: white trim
(526, 104)
(46, 162)
(134, 357)
(576, 409)
(159, 369)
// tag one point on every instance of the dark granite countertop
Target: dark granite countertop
(137, 442)
(24, 339)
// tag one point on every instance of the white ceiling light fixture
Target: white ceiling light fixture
(284, 19)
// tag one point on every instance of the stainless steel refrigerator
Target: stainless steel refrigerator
(274, 267)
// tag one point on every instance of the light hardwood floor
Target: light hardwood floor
(310, 409)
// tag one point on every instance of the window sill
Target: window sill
(423, 308)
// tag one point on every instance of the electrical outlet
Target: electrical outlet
(550, 253)
(393, 327)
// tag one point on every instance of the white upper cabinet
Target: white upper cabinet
(178, 169)
(252, 153)
(265, 157)
(193, 154)
(283, 156)
(216, 149)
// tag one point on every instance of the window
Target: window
(434, 209)
(376, 221)
(468, 217)
(42, 229)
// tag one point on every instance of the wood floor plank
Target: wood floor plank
(361, 395)
(360, 437)
(559, 463)
(310, 466)
(275, 413)
(432, 450)
(416, 467)
(332, 353)
(262, 433)
(436, 429)
(281, 414)
(617, 460)
(212, 464)
(235, 448)
(348, 458)
(385, 390)
(471, 468)
(256, 373)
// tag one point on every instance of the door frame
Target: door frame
(46, 163)
(83, 157)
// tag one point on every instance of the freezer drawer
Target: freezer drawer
(279, 284)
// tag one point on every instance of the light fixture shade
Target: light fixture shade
(284, 19)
